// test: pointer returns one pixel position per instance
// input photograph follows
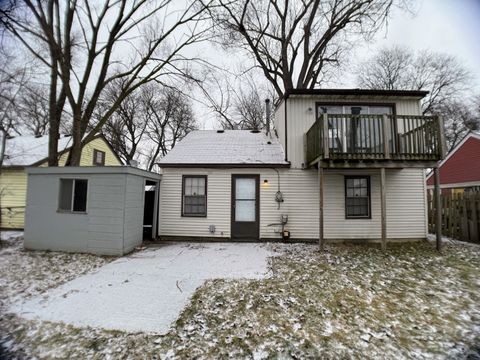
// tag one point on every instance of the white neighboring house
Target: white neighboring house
(340, 164)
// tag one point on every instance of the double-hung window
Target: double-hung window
(98, 157)
(194, 195)
(73, 195)
(357, 197)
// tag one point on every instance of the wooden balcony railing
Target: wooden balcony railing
(375, 137)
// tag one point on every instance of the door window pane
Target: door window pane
(245, 189)
(245, 210)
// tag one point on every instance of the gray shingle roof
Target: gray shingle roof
(236, 147)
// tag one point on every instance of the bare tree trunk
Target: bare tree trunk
(295, 43)
(76, 149)
(68, 27)
(2, 147)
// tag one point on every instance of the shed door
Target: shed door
(245, 207)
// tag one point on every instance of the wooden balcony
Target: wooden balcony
(340, 140)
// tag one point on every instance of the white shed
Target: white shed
(99, 210)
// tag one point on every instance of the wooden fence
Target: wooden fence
(460, 215)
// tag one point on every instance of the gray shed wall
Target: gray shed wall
(112, 225)
(133, 223)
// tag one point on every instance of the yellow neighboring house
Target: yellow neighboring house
(25, 151)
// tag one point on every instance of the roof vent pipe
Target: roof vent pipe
(267, 115)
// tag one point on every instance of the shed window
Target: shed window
(73, 195)
(194, 196)
(98, 157)
(357, 197)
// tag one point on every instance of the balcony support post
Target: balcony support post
(321, 240)
(383, 205)
(438, 207)
(325, 138)
(442, 144)
(386, 131)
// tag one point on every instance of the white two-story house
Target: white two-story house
(338, 164)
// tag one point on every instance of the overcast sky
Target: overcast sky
(449, 26)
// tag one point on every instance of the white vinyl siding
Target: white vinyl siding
(301, 116)
(405, 204)
(299, 190)
(279, 123)
(406, 213)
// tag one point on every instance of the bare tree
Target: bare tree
(249, 108)
(32, 110)
(390, 69)
(7, 7)
(169, 118)
(294, 43)
(86, 46)
(241, 105)
(126, 127)
(12, 80)
(442, 75)
(400, 68)
(461, 117)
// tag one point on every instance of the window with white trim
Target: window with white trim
(73, 195)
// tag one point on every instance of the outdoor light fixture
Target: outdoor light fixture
(265, 184)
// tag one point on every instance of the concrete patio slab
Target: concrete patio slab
(146, 291)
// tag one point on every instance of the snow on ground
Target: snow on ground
(147, 290)
(345, 302)
(25, 274)
(10, 235)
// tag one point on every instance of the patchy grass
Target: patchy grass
(24, 273)
(348, 301)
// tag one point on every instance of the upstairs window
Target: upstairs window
(355, 133)
(357, 197)
(73, 195)
(352, 108)
(194, 196)
(98, 157)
